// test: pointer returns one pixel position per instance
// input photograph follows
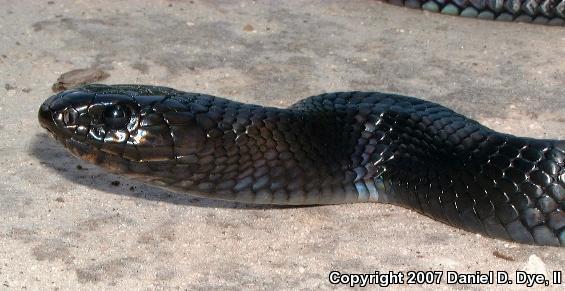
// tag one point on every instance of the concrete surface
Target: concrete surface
(65, 226)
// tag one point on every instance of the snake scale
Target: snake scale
(343, 147)
(549, 12)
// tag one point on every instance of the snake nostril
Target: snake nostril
(70, 116)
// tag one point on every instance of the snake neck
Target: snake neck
(234, 151)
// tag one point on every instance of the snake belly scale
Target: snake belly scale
(343, 147)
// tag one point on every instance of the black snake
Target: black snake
(332, 148)
(550, 12)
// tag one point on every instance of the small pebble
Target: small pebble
(502, 256)
(248, 28)
(535, 265)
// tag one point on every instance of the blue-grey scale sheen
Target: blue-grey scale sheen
(550, 12)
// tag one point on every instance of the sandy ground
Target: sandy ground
(65, 226)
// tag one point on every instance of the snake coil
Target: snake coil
(550, 12)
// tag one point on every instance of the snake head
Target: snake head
(115, 126)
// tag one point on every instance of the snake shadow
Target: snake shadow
(55, 156)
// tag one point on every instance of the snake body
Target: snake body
(550, 12)
(343, 147)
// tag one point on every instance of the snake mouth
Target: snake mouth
(94, 155)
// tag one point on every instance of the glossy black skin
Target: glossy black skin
(549, 12)
(333, 148)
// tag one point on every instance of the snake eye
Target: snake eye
(116, 116)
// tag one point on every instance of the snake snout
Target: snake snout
(45, 115)
(45, 118)
(57, 117)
